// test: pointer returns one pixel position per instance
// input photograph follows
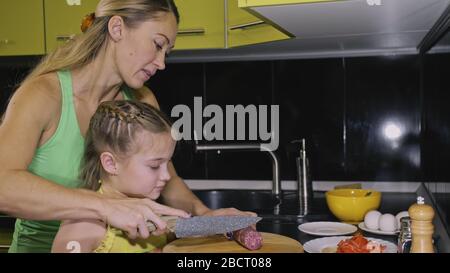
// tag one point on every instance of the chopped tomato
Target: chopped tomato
(357, 244)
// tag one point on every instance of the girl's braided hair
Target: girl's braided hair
(113, 128)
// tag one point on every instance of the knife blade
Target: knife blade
(205, 225)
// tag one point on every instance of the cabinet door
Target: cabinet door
(21, 27)
(202, 24)
(63, 19)
(245, 28)
(260, 3)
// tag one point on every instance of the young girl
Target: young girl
(128, 149)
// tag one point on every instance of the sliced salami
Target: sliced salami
(249, 238)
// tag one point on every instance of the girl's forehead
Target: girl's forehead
(154, 144)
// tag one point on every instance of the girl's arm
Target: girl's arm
(79, 236)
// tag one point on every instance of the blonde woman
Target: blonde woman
(43, 130)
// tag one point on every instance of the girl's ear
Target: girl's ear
(109, 163)
(115, 28)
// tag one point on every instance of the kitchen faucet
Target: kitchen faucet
(276, 182)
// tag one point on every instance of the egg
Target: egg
(371, 219)
(387, 222)
(399, 216)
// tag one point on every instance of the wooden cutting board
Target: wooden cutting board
(272, 243)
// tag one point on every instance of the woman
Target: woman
(42, 133)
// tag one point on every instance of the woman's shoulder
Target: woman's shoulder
(39, 96)
(42, 88)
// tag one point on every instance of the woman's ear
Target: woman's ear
(109, 163)
(116, 27)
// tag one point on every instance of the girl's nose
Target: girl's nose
(164, 174)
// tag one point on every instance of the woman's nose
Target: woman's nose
(160, 60)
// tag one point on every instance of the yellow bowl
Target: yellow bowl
(351, 205)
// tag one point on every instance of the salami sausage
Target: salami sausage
(248, 238)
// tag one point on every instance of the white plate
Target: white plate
(318, 245)
(327, 228)
(376, 231)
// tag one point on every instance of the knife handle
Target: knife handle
(171, 222)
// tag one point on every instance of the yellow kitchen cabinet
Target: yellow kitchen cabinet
(246, 29)
(63, 19)
(6, 234)
(21, 27)
(259, 3)
(202, 24)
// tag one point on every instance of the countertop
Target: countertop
(285, 221)
(288, 225)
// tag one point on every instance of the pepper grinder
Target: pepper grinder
(421, 227)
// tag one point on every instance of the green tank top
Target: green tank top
(58, 160)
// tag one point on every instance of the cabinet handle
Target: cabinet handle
(64, 38)
(192, 31)
(247, 25)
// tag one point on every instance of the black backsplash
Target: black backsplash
(311, 95)
(436, 118)
(369, 118)
(382, 100)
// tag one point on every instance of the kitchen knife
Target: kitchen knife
(205, 225)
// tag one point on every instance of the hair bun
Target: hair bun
(87, 21)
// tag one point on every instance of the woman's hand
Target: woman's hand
(228, 211)
(131, 215)
(231, 212)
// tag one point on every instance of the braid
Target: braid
(120, 114)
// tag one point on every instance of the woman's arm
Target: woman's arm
(177, 194)
(25, 195)
(26, 120)
(79, 236)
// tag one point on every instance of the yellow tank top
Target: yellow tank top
(116, 241)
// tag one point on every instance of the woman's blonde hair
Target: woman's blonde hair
(83, 48)
(113, 128)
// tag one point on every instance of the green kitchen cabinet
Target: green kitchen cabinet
(21, 27)
(63, 19)
(202, 24)
(246, 29)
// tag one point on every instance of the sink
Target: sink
(252, 200)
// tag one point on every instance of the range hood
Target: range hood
(337, 28)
